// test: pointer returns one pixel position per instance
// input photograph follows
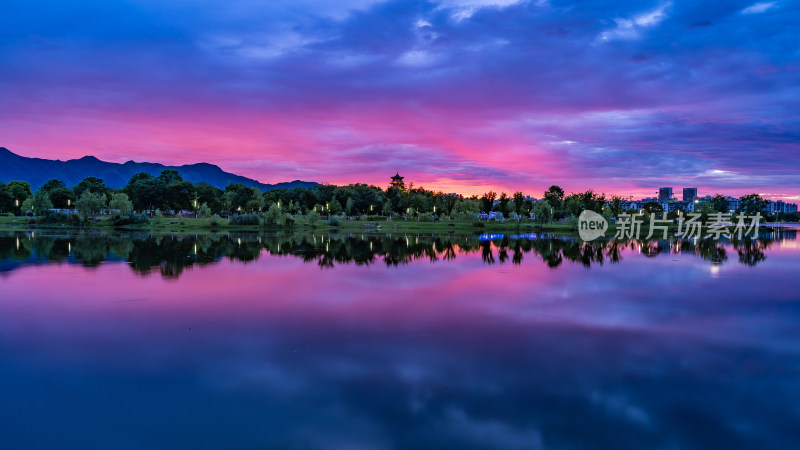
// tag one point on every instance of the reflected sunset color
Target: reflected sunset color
(426, 344)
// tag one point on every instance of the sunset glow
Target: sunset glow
(458, 96)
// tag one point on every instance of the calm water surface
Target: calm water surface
(130, 341)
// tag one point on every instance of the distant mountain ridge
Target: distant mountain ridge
(38, 171)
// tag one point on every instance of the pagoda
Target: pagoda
(397, 181)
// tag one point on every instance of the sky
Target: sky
(621, 97)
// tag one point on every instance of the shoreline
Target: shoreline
(9, 223)
(192, 225)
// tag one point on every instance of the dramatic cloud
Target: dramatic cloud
(758, 8)
(631, 28)
(464, 9)
(620, 97)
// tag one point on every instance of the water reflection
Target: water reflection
(262, 349)
(169, 254)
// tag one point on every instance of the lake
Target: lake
(256, 341)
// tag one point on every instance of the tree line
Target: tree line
(170, 193)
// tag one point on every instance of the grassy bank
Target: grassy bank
(186, 224)
(200, 225)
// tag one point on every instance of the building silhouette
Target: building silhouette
(397, 181)
(689, 194)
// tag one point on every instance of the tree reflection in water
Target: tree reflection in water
(170, 254)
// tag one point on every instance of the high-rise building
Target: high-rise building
(733, 203)
(780, 206)
(664, 194)
(689, 194)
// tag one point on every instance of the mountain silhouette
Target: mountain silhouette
(38, 171)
